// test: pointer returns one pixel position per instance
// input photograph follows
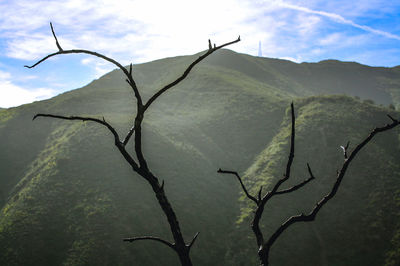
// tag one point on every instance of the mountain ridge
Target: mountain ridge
(64, 186)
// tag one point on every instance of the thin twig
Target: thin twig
(132, 239)
(99, 121)
(345, 148)
(255, 225)
(193, 240)
(187, 71)
(296, 187)
(128, 136)
(311, 216)
(102, 122)
(81, 51)
(241, 183)
(286, 176)
(55, 37)
(394, 120)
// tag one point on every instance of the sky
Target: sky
(138, 31)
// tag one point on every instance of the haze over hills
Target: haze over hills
(68, 198)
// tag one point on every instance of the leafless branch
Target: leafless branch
(311, 216)
(345, 148)
(55, 37)
(296, 187)
(193, 240)
(264, 247)
(241, 183)
(102, 122)
(286, 176)
(129, 135)
(162, 185)
(391, 118)
(259, 194)
(187, 71)
(81, 51)
(99, 121)
(171, 245)
(141, 167)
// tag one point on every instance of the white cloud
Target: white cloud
(307, 24)
(337, 18)
(142, 30)
(13, 95)
(129, 28)
(341, 40)
(138, 30)
(4, 75)
(295, 60)
(101, 67)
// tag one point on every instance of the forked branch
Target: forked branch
(129, 135)
(179, 246)
(311, 216)
(286, 176)
(55, 37)
(139, 238)
(241, 183)
(265, 246)
(81, 118)
(127, 73)
(296, 187)
(193, 240)
(187, 71)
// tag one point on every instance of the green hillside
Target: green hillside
(67, 197)
(359, 225)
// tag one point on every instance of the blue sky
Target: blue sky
(365, 31)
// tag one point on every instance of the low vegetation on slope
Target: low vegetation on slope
(68, 198)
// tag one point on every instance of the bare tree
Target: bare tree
(264, 245)
(180, 246)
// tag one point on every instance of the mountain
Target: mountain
(67, 197)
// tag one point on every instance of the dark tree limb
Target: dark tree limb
(193, 240)
(81, 51)
(286, 176)
(391, 118)
(259, 194)
(345, 149)
(141, 167)
(55, 37)
(81, 118)
(265, 246)
(296, 187)
(187, 71)
(255, 225)
(103, 122)
(171, 245)
(241, 183)
(129, 135)
(311, 216)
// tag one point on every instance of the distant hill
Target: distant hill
(68, 198)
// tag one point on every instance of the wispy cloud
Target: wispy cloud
(131, 28)
(337, 18)
(13, 95)
(139, 31)
(100, 66)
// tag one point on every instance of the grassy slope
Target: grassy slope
(64, 186)
(326, 77)
(185, 144)
(356, 226)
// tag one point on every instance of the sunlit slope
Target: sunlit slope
(380, 84)
(68, 190)
(359, 225)
(68, 198)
